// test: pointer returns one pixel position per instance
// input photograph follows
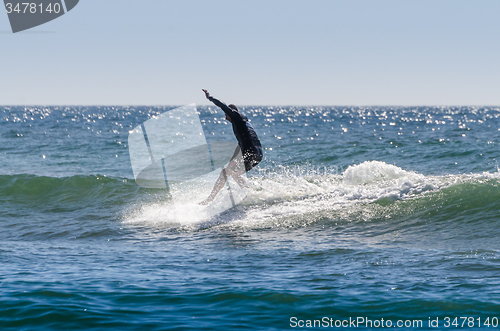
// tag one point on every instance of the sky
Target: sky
(259, 52)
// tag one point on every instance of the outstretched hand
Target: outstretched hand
(207, 95)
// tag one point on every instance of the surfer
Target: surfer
(247, 154)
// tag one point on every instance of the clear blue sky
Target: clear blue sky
(259, 52)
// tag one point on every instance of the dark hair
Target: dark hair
(233, 107)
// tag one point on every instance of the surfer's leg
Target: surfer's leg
(250, 161)
(219, 184)
(240, 180)
(236, 173)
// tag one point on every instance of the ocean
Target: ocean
(357, 217)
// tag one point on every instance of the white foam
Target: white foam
(376, 171)
(282, 197)
(166, 213)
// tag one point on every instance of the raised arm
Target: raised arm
(218, 103)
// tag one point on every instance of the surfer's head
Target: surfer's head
(233, 107)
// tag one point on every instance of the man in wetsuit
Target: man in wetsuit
(248, 153)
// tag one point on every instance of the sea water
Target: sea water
(356, 217)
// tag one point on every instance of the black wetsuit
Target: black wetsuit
(248, 142)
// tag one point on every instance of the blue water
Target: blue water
(378, 213)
